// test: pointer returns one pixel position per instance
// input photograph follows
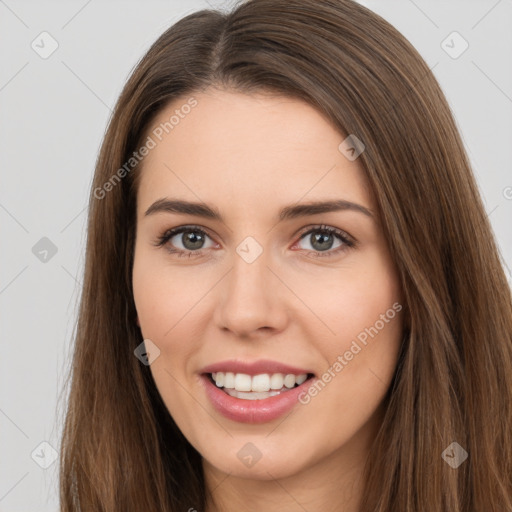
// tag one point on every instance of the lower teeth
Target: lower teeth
(253, 395)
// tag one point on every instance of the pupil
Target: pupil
(191, 240)
(321, 237)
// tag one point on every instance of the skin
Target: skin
(249, 156)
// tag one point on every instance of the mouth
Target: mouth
(256, 387)
(257, 391)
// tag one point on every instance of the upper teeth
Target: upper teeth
(261, 382)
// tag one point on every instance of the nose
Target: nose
(252, 299)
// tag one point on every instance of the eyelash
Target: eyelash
(348, 242)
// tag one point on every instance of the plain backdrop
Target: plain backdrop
(53, 114)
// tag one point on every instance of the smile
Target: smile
(254, 391)
(257, 387)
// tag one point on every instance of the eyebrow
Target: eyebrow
(200, 209)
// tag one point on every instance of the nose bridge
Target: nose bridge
(250, 274)
(251, 300)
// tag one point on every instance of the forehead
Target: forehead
(230, 147)
(243, 124)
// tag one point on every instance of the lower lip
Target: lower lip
(253, 411)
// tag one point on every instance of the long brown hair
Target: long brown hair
(121, 450)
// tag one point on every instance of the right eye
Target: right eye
(192, 240)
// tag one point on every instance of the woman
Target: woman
(292, 298)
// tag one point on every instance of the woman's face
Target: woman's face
(255, 289)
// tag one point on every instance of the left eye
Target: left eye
(322, 239)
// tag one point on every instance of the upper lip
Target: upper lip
(253, 367)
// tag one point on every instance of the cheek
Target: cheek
(352, 300)
(165, 314)
(162, 298)
(170, 307)
(361, 307)
(151, 298)
(369, 336)
(368, 305)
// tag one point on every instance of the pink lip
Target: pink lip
(253, 411)
(253, 368)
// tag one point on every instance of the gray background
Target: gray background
(53, 116)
